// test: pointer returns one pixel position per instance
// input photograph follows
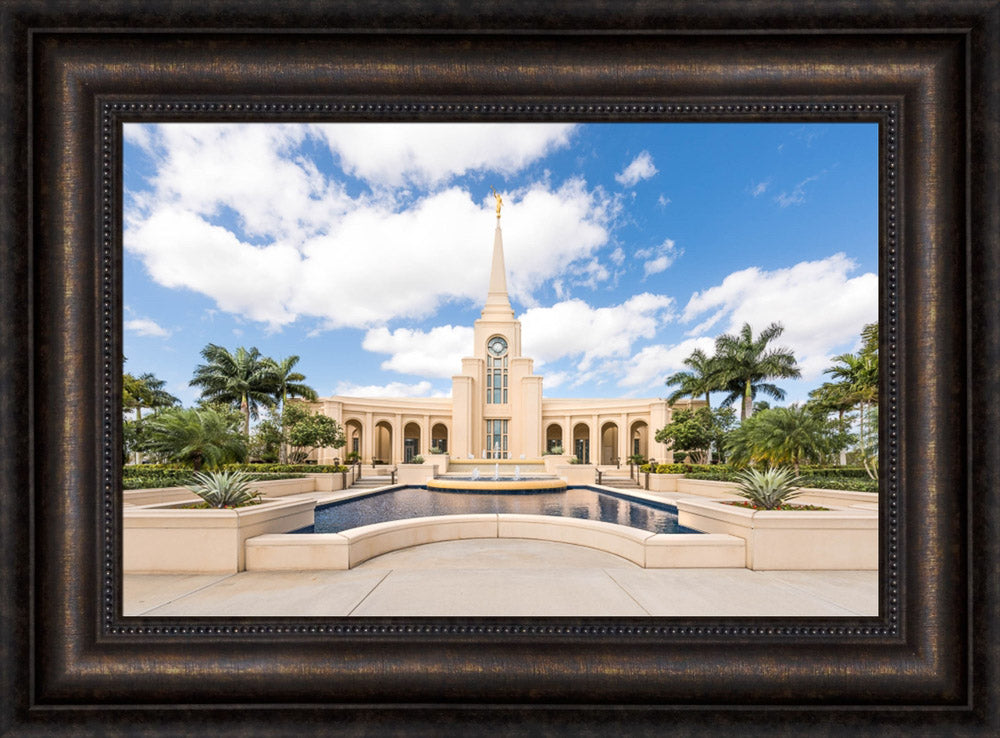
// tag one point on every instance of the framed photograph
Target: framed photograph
(91, 89)
(534, 375)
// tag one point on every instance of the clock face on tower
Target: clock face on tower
(498, 346)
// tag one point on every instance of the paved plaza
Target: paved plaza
(505, 577)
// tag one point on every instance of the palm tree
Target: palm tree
(701, 380)
(859, 376)
(243, 379)
(833, 397)
(287, 384)
(781, 436)
(200, 437)
(745, 364)
(156, 397)
(139, 392)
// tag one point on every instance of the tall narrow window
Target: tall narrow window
(496, 439)
(496, 371)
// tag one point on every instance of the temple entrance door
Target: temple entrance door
(583, 450)
(410, 449)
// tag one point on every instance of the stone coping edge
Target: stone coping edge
(502, 484)
(303, 551)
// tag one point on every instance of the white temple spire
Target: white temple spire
(497, 300)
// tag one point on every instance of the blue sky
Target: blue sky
(365, 248)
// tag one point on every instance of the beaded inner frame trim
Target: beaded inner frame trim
(114, 114)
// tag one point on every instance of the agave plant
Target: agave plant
(225, 489)
(768, 489)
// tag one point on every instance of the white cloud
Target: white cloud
(798, 195)
(658, 258)
(392, 389)
(760, 188)
(573, 328)
(556, 379)
(618, 256)
(146, 327)
(251, 172)
(392, 154)
(821, 306)
(238, 214)
(436, 353)
(654, 364)
(639, 169)
(663, 201)
(590, 274)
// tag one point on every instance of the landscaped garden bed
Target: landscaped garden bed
(791, 539)
(839, 478)
(151, 476)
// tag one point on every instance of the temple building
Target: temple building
(497, 409)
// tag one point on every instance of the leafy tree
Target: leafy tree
(195, 437)
(746, 363)
(266, 441)
(243, 379)
(784, 436)
(694, 432)
(288, 383)
(307, 432)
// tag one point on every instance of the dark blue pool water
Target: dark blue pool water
(417, 502)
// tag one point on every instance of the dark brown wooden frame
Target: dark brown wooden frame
(928, 71)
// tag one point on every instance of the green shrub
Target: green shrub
(418, 459)
(225, 489)
(184, 476)
(845, 472)
(670, 468)
(156, 482)
(288, 468)
(852, 484)
(436, 450)
(151, 470)
(554, 451)
(768, 489)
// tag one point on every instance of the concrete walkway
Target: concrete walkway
(504, 577)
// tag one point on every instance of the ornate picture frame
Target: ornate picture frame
(926, 73)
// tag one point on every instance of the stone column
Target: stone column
(425, 436)
(368, 439)
(595, 439)
(397, 439)
(623, 449)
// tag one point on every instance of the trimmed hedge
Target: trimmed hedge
(835, 471)
(683, 468)
(851, 484)
(152, 476)
(185, 477)
(844, 478)
(290, 468)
